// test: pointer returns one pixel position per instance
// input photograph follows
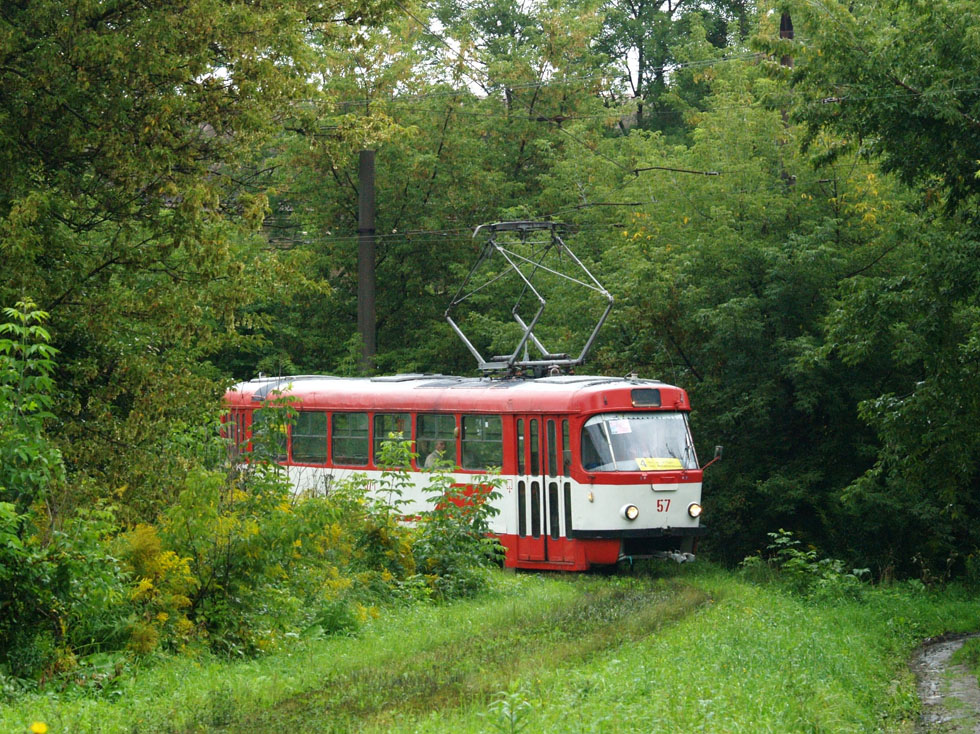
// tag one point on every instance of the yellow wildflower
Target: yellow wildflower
(39, 727)
(142, 588)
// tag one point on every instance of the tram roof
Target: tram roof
(443, 393)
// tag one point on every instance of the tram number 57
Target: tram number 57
(663, 505)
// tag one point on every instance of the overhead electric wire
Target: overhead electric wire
(435, 236)
(459, 55)
(465, 234)
(593, 149)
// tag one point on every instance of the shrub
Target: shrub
(265, 563)
(29, 463)
(453, 545)
(231, 534)
(63, 593)
(803, 572)
(58, 586)
(97, 602)
(31, 590)
(158, 593)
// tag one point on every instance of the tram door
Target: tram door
(543, 501)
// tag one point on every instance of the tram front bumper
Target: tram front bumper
(639, 533)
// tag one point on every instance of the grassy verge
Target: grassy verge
(478, 656)
(969, 655)
(686, 649)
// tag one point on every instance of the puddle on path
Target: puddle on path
(949, 692)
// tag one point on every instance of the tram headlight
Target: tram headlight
(694, 509)
(630, 512)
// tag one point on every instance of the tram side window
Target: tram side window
(566, 450)
(309, 444)
(482, 443)
(350, 439)
(552, 450)
(241, 438)
(520, 445)
(390, 427)
(431, 430)
(233, 431)
(269, 426)
(535, 447)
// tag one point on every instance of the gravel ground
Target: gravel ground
(949, 692)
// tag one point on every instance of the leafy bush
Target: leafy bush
(31, 591)
(28, 461)
(266, 563)
(376, 517)
(453, 546)
(803, 572)
(58, 588)
(63, 594)
(233, 533)
(158, 595)
(97, 601)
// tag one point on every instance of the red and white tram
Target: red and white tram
(594, 469)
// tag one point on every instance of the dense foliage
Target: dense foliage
(789, 227)
(895, 85)
(235, 565)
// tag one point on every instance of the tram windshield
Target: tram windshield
(657, 441)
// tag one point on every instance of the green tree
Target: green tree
(641, 38)
(124, 132)
(723, 283)
(448, 158)
(895, 82)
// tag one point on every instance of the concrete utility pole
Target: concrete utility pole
(786, 31)
(366, 322)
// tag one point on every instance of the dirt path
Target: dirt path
(949, 692)
(470, 667)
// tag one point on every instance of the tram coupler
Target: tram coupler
(679, 556)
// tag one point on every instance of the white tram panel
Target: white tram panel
(604, 510)
(413, 501)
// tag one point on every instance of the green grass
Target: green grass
(969, 655)
(679, 650)
(480, 655)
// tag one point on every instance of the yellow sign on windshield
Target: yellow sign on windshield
(650, 464)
